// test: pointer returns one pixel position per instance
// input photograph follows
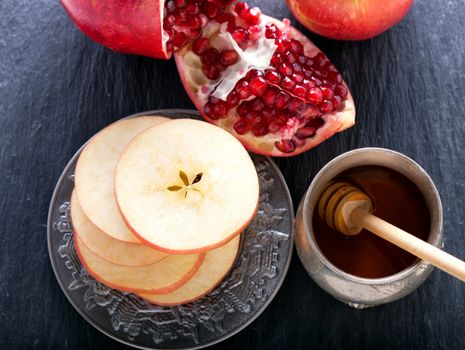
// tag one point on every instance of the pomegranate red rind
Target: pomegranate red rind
(198, 87)
(133, 27)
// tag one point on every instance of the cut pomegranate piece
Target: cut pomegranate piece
(284, 95)
(123, 26)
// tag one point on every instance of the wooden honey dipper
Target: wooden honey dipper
(348, 210)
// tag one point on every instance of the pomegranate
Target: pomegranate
(255, 76)
(349, 20)
(263, 81)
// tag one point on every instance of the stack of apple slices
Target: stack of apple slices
(159, 205)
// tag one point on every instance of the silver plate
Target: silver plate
(244, 294)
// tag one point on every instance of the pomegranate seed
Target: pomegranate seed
(328, 94)
(295, 105)
(169, 21)
(287, 45)
(281, 99)
(285, 146)
(208, 110)
(257, 105)
(281, 117)
(210, 55)
(309, 84)
(341, 90)
(255, 32)
(193, 22)
(242, 110)
(200, 45)
(232, 99)
(309, 62)
(335, 77)
(299, 91)
(275, 61)
(301, 60)
(210, 71)
(253, 17)
(298, 77)
(252, 74)
(181, 17)
(272, 76)
(180, 3)
(240, 35)
(193, 9)
(290, 57)
(285, 69)
(225, 17)
(269, 95)
(279, 45)
(241, 127)
(337, 102)
(253, 118)
(170, 7)
(296, 68)
(274, 127)
(308, 73)
(228, 58)
(242, 89)
(242, 9)
(272, 32)
(305, 132)
(315, 123)
(258, 85)
(220, 109)
(296, 46)
(287, 83)
(267, 114)
(260, 129)
(210, 9)
(319, 60)
(298, 142)
(329, 85)
(193, 33)
(326, 106)
(315, 96)
(317, 81)
(179, 39)
(204, 19)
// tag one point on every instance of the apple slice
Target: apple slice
(164, 276)
(186, 186)
(215, 267)
(95, 171)
(110, 249)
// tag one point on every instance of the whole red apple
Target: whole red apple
(132, 26)
(349, 19)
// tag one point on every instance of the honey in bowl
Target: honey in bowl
(397, 200)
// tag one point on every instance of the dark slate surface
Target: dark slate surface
(57, 88)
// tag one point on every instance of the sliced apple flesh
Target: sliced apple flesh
(163, 276)
(186, 186)
(218, 262)
(95, 171)
(110, 249)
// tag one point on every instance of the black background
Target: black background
(57, 88)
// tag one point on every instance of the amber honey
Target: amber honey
(397, 200)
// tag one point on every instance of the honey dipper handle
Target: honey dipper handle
(410, 243)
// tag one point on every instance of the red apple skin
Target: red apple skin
(349, 19)
(133, 27)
